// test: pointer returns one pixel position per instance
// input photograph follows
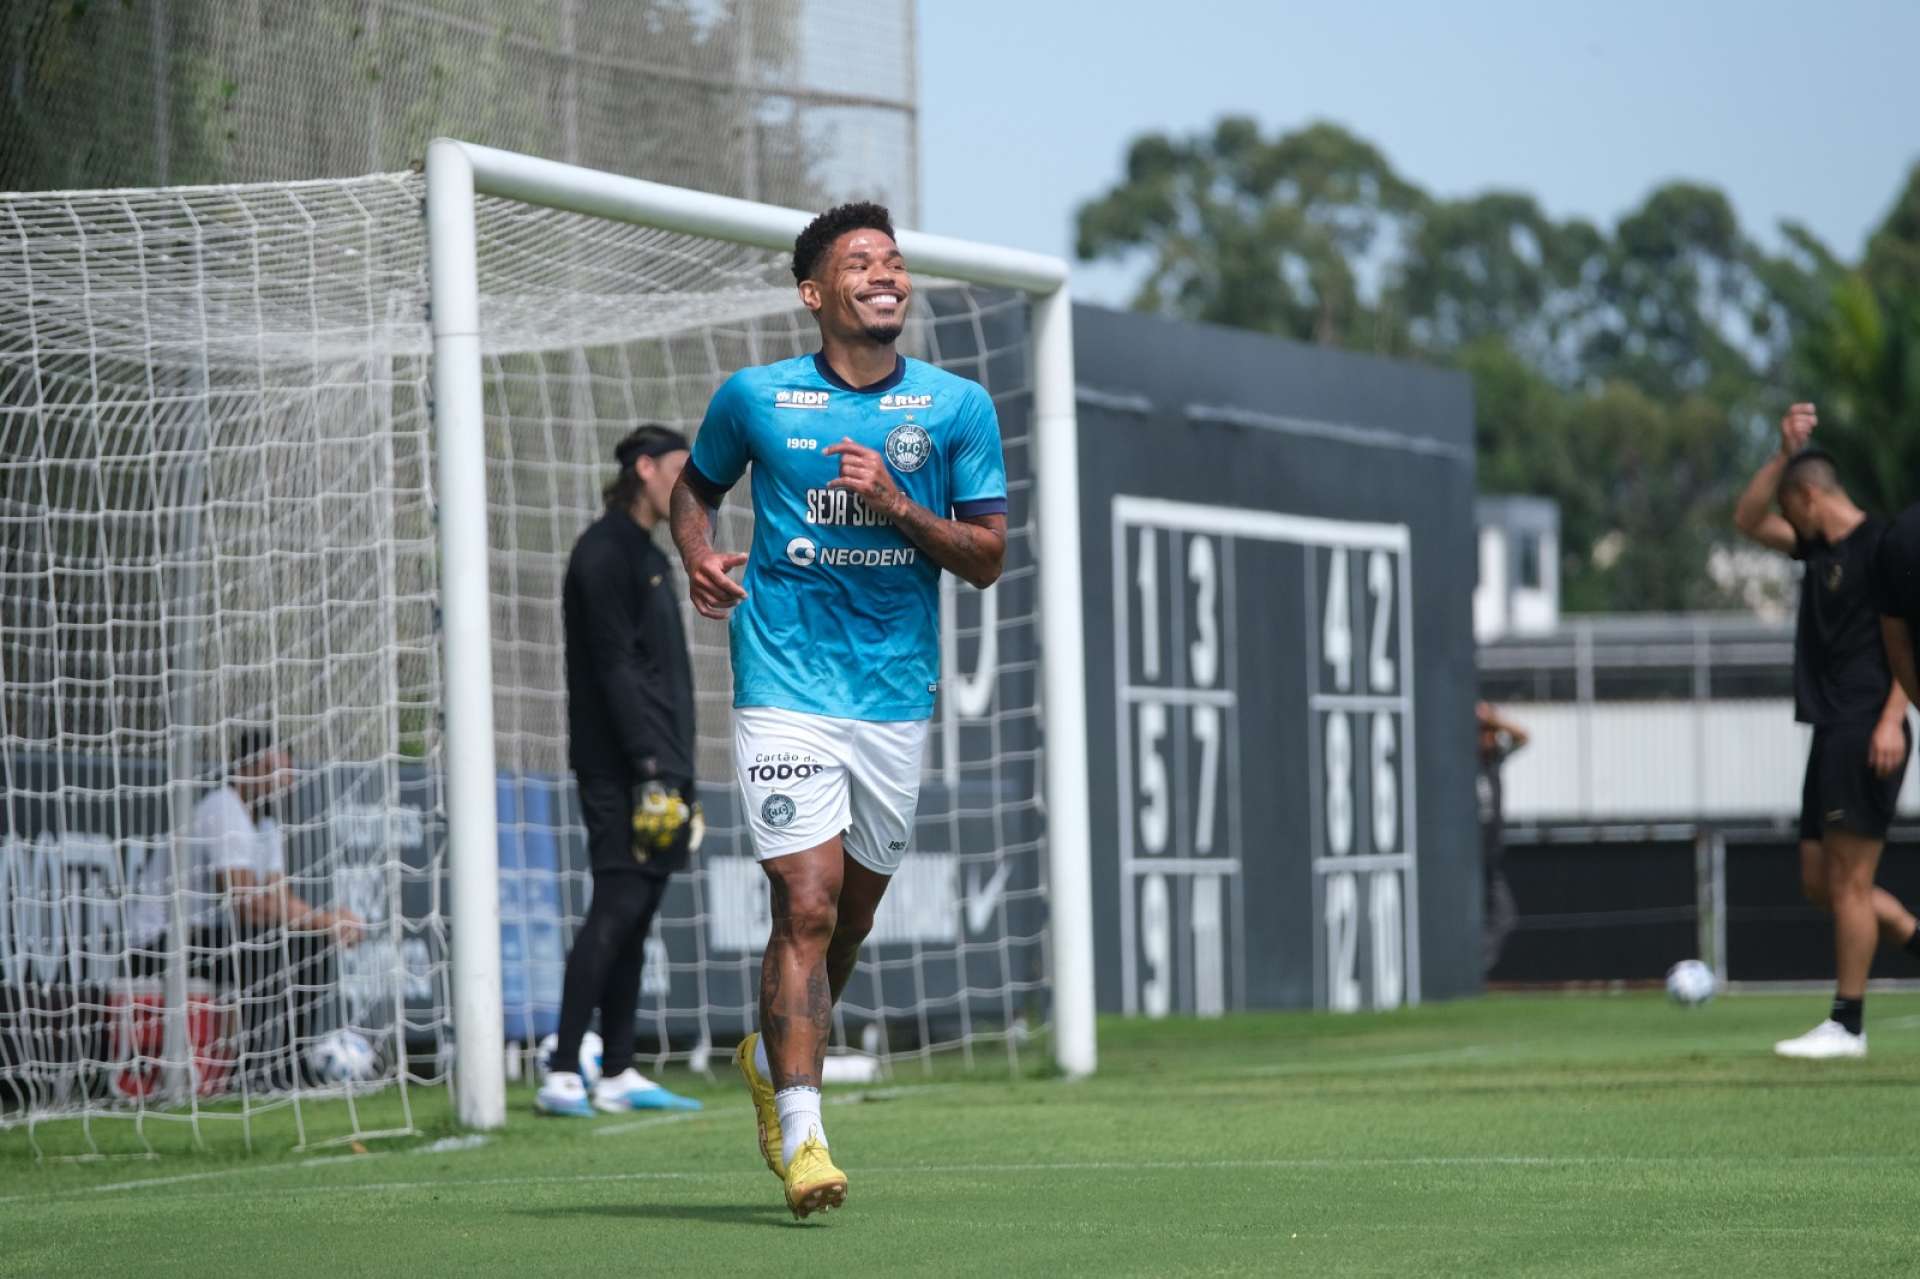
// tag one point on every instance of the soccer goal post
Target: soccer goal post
(459, 177)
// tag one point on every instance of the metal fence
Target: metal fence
(1653, 817)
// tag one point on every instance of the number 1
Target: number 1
(1147, 577)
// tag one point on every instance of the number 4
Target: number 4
(1336, 629)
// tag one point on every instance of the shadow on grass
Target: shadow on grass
(718, 1214)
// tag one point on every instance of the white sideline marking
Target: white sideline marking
(1388, 1061)
(654, 1121)
(157, 1181)
(888, 1094)
(449, 1145)
(1090, 1165)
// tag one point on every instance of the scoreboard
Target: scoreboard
(1211, 604)
(1277, 587)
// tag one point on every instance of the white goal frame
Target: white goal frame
(459, 172)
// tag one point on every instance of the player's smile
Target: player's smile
(887, 302)
(883, 303)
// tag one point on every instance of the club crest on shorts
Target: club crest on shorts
(778, 810)
(909, 446)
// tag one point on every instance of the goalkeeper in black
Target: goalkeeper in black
(630, 743)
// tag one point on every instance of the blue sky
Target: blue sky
(1809, 110)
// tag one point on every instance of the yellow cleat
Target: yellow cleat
(813, 1183)
(765, 1112)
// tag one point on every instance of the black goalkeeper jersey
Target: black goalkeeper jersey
(629, 680)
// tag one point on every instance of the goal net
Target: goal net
(218, 535)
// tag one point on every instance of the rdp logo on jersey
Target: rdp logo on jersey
(801, 399)
(888, 403)
(909, 446)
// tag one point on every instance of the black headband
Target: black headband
(657, 443)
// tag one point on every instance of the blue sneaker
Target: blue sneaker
(564, 1093)
(631, 1090)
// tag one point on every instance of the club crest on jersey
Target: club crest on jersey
(889, 403)
(909, 446)
(778, 810)
(801, 399)
(1836, 573)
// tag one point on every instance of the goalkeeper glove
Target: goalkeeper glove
(662, 816)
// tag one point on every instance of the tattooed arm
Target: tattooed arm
(974, 549)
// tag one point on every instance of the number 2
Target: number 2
(1380, 670)
(1343, 943)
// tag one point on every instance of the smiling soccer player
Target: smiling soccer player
(871, 473)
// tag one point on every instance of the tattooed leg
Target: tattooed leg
(796, 993)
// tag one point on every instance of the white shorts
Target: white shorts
(806, 778)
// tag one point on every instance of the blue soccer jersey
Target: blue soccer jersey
(842, 615)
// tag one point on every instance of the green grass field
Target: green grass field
(1545, 1135)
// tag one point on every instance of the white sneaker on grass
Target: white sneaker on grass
(631, 1090)
(563, 1093)
(1826, 1041)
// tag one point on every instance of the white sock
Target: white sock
(799, 1119)
(760, 1058)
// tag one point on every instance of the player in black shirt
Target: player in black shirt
(1896, 584)
(1843, 688)
(630, 742)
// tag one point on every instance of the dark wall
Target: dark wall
(1249, 434)
(1627, 912)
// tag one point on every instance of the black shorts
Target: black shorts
(1841, 791)
(613, 843)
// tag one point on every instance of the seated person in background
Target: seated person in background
(252, 935)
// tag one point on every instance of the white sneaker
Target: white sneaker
(1827, 1040)
(563, 1093)
(631, 1090)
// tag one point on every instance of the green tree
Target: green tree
(1624, 373)
(1860, 361)
(1261, 234)
(1496, 266)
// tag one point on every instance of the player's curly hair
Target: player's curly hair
(813, 243)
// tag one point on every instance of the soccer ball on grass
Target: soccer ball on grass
(1690, 983)
(342, 1057)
